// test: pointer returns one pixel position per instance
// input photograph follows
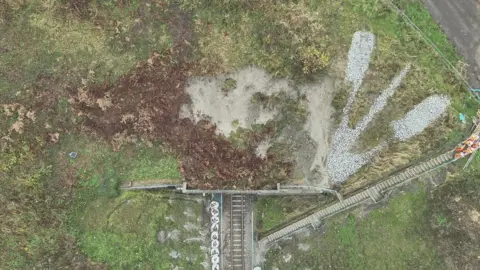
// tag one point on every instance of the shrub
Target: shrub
(313, 59)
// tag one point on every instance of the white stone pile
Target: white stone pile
(214, 228)
(341, 162)
(422, 115)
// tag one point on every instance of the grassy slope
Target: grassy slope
(272, 212)
(122, 232)
(46, 38)
(454, 217)
(50, 48)
(95, 173)
(396, 237)
(419, 229)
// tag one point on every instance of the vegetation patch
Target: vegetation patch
(90, 94)
(231, 36)
(273, 212)
(141, 230)
(268, 213)
(120, 230)
(49, 37)
(313, 60)
(152, 112)
(229, 85)
(371, 243)
(421, 227)
(453, 216)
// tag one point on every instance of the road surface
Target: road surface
(460, 19)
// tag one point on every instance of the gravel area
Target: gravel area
(422, 115)
(359, 57)
(342, 163)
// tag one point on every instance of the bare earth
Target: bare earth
(235, 108)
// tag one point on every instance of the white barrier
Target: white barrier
(215, 244)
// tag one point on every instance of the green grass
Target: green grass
(97, 166)
(132, 162)
(396, 237)
(419, 229)
(270, 212)
(165, 168)
(274, 211)
(44, 39)
(123, 232)
(153, 164)
(39, 233)
(120, 229)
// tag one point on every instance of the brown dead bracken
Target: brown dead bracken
(146, 103)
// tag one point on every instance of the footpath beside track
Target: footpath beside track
(373, 193)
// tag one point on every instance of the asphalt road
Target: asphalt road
(460, 19)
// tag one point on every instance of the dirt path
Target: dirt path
(318, 125)
(460, 19)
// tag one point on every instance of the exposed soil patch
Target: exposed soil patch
(147, 103)
(318, 125)
(227, 100)
(250, 97)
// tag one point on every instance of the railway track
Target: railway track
(240, 235)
